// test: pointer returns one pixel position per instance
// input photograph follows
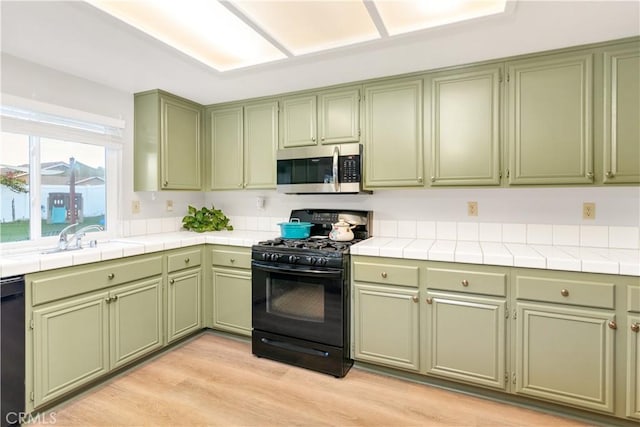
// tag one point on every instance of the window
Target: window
(55, 171)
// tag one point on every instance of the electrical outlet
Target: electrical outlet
(135, 207)
(588, 210)
(169, 205)
(472, 208)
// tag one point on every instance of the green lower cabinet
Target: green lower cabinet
(70, 345)
(82, 338)
(135, 321)
(386, 326)
(457, 323)
(633, 367)
(232, 300)
(184, 303)
(566, 355)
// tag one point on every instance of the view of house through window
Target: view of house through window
(69, 178)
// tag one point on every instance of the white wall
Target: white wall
(615, 206)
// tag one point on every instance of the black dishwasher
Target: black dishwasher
(12, 348)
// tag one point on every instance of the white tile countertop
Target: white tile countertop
(569, 258)
(32, 260)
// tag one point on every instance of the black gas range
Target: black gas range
(300, 294)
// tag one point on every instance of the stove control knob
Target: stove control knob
(265, 256)
(310, 260)
(321, 261)
(293, 259)
(274, 257)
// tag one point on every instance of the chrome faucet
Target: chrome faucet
(64, 241)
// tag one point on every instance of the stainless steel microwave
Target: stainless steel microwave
(323, 169)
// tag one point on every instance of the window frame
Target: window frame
(38, 120)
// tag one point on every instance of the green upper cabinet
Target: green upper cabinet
(225, 131)
(243, 142)
(328, 117)
(463, 125)
(167, 142)
(339, 116)
(622, 115)
(299, 121)
(549, 119)
(393, 133)
(260, 144)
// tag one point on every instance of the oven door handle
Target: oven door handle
(297, 270)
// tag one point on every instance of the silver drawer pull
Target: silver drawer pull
(186, 260)
(635, 327)
(172, 281)
(415, 298)
(612, 324)
(429, 300)
(110, 276)
(384, 274)
(465, 283)
(232, 260)
(564, 293)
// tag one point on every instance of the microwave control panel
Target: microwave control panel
(349, 169)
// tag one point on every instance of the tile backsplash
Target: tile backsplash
(598, 236)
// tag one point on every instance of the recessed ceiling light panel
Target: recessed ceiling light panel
(203, 29)
(412, 15)
(311, 26)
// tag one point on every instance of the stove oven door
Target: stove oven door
(299, 301)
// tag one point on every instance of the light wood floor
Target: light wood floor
(216, 381)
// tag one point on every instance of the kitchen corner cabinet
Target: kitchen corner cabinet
(463, 110)
(466, 309)
(167, 142)
(549, 119)
(633, 352)
(385, 312)
(88, 320)
(184, 293)
(328, 117)
(622, 115)
(242, 142)
(393, 134)
(230, 289)
(565, 339)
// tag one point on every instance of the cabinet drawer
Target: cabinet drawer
(475, 282)
(565, 291)
(184, 259)
(633, 298)
(231, 258)
(404, 275)
(80, 280)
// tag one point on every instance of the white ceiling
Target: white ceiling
(79, 39)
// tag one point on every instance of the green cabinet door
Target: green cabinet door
(463, 126)
(393, 134)
(167, 142)
(386, 326)
(260, 144)
(622, 115)
(339, 116)
(299, 121)
(226, 145)
(456, 323)
(184, 303)
(135, 320)
(565, 355)
(633, 367)
(549, 120)
(232, 300)
(70, 345)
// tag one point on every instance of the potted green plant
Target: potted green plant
(205, 219)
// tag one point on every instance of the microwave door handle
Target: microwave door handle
(336, 157)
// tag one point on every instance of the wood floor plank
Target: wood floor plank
(216, 381)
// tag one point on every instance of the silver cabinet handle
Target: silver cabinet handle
(590, 175)
(429, 300)
(415, 298)
(187, 260)
(232, 260)
(465, 283)
(172, 281)
(612, 324)
(313, 139)
(635, 327)
(165, 183)
(564, 293)
(110, 276)
(610, 174)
